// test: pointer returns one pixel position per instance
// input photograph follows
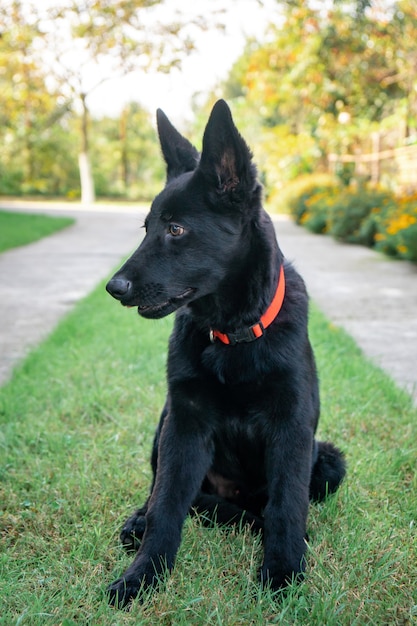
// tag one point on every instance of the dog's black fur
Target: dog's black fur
(235, 440)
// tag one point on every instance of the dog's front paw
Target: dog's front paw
(132, 531)
(275, 577)
(122, 591)
(135, 581)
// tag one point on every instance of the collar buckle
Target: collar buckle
(250, 333)
(245, 335)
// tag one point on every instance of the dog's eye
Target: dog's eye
(175, 230)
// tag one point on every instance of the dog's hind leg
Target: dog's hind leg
(329, 469)
(213, 509)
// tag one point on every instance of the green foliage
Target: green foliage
(77, 423)
(326, 60)
(297, 193)
(36, 148)
(126, 156)
(11, 179)
(42, 91)
(347, 218)
(53, 170)
(19, 229)
(325, 79)
(317, 208)
(363, 215)
(282, 157)
(396, 228)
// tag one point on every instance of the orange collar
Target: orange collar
(245, 335)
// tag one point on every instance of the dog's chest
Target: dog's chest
(240, 440)
(236, 365)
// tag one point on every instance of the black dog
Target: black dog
(236, 436)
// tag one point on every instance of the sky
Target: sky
(216, 52)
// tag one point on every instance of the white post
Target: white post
(86, 178)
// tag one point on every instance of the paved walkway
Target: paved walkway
(41, 282)
(373, 298)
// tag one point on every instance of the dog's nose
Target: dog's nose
(118, 286)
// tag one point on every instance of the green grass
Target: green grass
(19, 229)
(77, 425)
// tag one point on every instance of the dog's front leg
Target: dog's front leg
(289, 462)
(184, 459)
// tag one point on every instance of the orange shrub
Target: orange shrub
(397, 229)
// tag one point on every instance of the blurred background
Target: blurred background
(317, 89)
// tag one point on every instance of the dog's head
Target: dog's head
(197, 226)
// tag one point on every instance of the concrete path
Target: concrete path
(41, 282)
(373, 298)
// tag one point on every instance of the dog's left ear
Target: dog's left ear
(226, 159)
(179, 154)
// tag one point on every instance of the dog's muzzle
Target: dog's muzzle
(119, 287)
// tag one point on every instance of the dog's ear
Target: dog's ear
(179, 154)
(226, 160)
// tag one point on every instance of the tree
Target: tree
(82, 43)
(28, 109)
(403, 29)
(125, 155)
(327, 63)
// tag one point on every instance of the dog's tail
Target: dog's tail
(329, 469)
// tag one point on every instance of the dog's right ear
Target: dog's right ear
(226, 160)
(179, 154)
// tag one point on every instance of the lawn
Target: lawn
(77, 425)
(19, 229)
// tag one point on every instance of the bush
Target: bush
(397, 228)
(365, 216)
(295, 193)
(352, 217)
(10, 181)
(317, 209)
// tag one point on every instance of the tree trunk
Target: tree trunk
(123, 148)
(87, 183)
(375, 163)
(86, 177)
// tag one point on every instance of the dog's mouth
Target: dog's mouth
(155, 311)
